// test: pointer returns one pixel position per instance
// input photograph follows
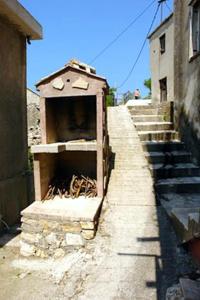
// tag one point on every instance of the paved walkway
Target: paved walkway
(132, 256)
(133, 261)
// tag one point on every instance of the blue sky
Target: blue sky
(80, 29)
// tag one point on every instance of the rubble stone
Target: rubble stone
(52, 239)
(174, 293)
(87, 225)
(88, 234)
(59, 253)
(74, 239)
(27, 249)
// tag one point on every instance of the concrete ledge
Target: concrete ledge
(60, 147)
(17, 15)
(48, 148)
(80, 209)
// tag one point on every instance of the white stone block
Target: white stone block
(74, 240)
(58, 84)
(26, 249)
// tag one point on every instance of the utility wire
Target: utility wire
(121, 33)
(168, 7)
(141, 50)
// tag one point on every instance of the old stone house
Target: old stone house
(187, 72)
(16, 26)
(162, 61)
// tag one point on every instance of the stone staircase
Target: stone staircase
(176, 177)
(151, 125)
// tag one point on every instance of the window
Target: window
(195, 28)
(162, 43)
(163, 89)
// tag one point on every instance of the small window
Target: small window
(162, 44)
(195, 28)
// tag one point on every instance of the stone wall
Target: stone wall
(187, 78)
(13, 129)
(162, 65)
(33, 113)
(47, 237)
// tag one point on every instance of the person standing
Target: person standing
(137, 94)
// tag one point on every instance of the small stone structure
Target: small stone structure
(74, 141)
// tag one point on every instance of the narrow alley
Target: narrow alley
(134, 254)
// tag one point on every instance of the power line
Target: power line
(141, 50)
(121, 33)
(168, 7)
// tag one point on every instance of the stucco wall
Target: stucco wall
(13, 129)
(187, 79)
(162, 65)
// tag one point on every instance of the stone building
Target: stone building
(187, 72)
(33, 118)
(16, 26)
(162, 61)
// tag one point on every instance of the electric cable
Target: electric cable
(121, 33)
(141, 50)
(168, 7)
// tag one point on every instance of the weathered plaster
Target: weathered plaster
(162, 65)
(13, 141)
(187, 78)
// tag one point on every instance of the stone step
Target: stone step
(153, 126)
(161, 135)
(184, 200)
(186, 223)
(143, 111)
(167, 158)
(163, 146)
(148, 118)
(178, 185)
(160, 171)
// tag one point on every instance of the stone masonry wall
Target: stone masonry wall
(45, 237)
(33, 113)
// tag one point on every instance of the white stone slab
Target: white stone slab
(139, 102)
(81, 146)
(68, 146)
(48, 148)
(79, 209)
(58, 84)
(73, 239)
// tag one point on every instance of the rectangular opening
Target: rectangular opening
(63, 166)
(196, 27)
(71, 119)
(163, 44)
(163, 89)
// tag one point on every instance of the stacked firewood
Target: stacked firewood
(77, 186)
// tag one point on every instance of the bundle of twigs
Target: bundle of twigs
(77, 186)
(83, 186)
